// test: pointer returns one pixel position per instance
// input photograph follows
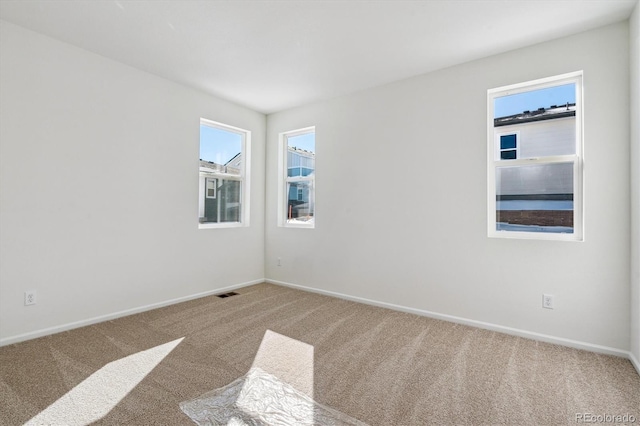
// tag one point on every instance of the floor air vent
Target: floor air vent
(223, 295)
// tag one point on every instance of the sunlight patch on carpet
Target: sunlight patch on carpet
(99, 393)
(288, 359)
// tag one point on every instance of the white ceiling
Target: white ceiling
(274, 55)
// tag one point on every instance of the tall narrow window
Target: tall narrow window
(535, 159)
(297, 178)
(223, 199)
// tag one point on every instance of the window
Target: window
(535, 159)
(211, 187)
(297, 165)
(509, 146)
(223, 199)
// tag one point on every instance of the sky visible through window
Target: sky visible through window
(217, 145)
(306, 141)
(534, 99)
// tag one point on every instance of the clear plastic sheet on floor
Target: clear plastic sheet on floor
(259, 399)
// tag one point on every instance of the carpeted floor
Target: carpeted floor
(379, 366)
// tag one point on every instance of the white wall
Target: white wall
(401, 199)
(99, 186)
(635, 184)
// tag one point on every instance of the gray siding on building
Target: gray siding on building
(545, 138)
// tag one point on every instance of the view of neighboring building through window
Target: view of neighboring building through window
(297, 178)
(223, 185)
(534, 170)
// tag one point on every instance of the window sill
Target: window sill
(515, 235)
(303, 225)
(221, 225)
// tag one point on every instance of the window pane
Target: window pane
(536, 198)
(306, 142)
(301, 154)
(533, 103)
(507, 141)
(225, 206)
(545, 119)
(293, 171)
(300, 202)
(508, 155)
(220, 150)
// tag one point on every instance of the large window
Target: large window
(297, 178)
(223, 199)
(535, 159)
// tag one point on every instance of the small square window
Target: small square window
(508, 146)
(211, 187)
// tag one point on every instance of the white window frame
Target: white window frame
(284, 179)
(244, 177)
(577, 159)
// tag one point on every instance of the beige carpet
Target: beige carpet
(375, 365)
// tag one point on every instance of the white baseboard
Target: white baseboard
(634, 361)
(82, 323)
(480, 324)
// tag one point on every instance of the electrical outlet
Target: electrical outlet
(279, 261)
(29, 297)
(547, 301)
